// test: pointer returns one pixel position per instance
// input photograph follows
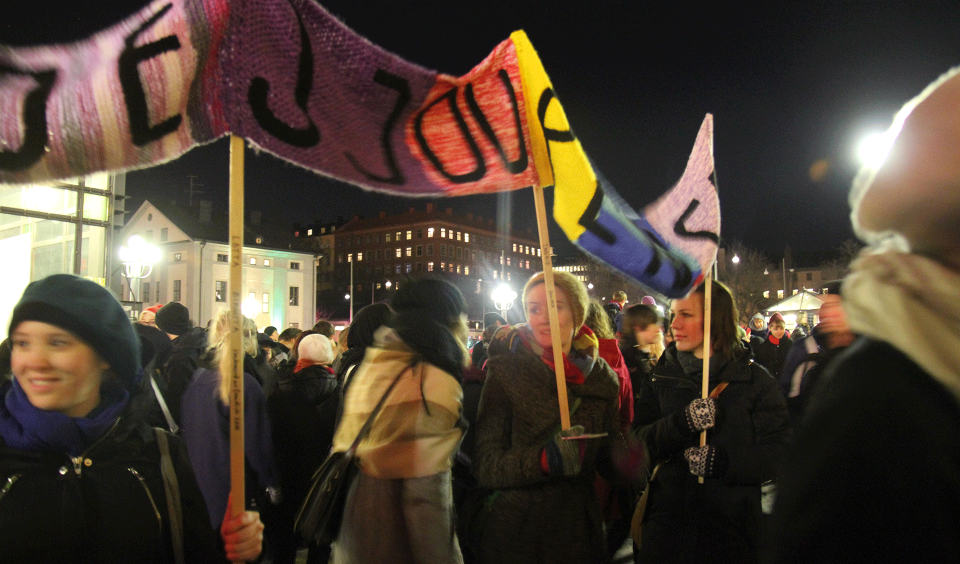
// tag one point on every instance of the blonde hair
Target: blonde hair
(574, 289)
(218, 344)
(598, 321)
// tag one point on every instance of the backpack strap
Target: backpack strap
(171, 488)
(163, 406)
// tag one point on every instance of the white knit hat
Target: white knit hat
(315, 348)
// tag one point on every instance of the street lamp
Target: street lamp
(735, 259)
(138, 259)
(503, 298)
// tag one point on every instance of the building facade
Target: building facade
(59, 227)
(371, 257)
(279, 285)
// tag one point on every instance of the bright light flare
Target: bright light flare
(874, 148)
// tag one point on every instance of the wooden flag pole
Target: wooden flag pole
(707, 347)
(235, 348)
(552, 305)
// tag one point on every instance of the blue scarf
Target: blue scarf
(24, 426)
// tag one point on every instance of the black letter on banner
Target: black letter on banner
(520, 164)
(683, 273)
(680, 229)
(590, 215)
(260, 88)
(141, 132)
(384, 78)
(477, 173)
(34, 121)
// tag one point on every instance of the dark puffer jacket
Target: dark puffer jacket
(719, 520)
(108, 505)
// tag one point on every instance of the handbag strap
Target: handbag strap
(171, 487)
(171, 424)
(373, 414)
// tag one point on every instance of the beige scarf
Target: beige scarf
(913, 303)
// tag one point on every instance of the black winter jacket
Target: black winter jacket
(719, 520)
(107, 505)
(873, 474)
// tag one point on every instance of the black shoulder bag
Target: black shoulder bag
(321, 513)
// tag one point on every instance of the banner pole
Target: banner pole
(552, 305)
(235, 348)
(707, 347)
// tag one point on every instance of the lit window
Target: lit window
(399, 252)
(220, 290)
(458, 235)
(253, 260)
(458, 269)
(387, 237)
(780, 294)
(409, 235)
(450, 234)
(514, 247)
(430, 232)
(397, 269)
(443, 232)
(466, 270)
(359, 257)
(266, 303)
(443, 267)
(266, 262)
(466, 237)
(409, 268)
(766, 294)
(508, 261)
(409, 251)
(538, 252)
(398, 236)
(429, 267)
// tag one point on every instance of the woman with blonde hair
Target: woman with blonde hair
(543, 507)
(206, 425)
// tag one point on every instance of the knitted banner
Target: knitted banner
(294, 81)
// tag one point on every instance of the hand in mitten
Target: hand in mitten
(707, 461)
(699, 415)
(563, 457)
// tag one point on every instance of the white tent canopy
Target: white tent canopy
(803, 301)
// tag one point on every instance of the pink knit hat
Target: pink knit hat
(777, 317)
(315, 348)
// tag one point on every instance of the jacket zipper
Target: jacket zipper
(686, 383)
(78, 460)
(156, 511)
(10, 482)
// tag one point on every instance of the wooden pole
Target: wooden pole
(552, 305)
(235, 348)
(707, 347)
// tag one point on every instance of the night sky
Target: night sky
(790, 84)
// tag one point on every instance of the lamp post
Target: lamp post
(138, 259)
(503, 298)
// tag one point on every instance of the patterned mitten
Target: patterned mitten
(707, 461)
(699, 415)
(563, 457)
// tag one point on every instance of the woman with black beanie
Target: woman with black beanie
(400, 506)
(82, 478)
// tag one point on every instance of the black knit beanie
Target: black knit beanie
(174, 319)
(89, 311)
(423, 312)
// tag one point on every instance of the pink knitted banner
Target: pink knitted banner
(287, 76)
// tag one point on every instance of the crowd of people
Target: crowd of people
(114, 437)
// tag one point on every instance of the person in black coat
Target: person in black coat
(303, 410)
(748, 431)
(82, 473)
(772, 352)
(873, 475)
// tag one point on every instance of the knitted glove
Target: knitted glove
(563, 457)
(699, 415)
(707, 461)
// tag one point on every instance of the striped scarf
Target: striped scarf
(576, 365)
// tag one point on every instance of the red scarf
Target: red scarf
(303, 363)
(576, 365)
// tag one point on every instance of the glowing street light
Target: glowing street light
(874, 148)
(138, 259)
(503, 298)
(735, 259)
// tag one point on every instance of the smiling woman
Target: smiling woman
(75, 453)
